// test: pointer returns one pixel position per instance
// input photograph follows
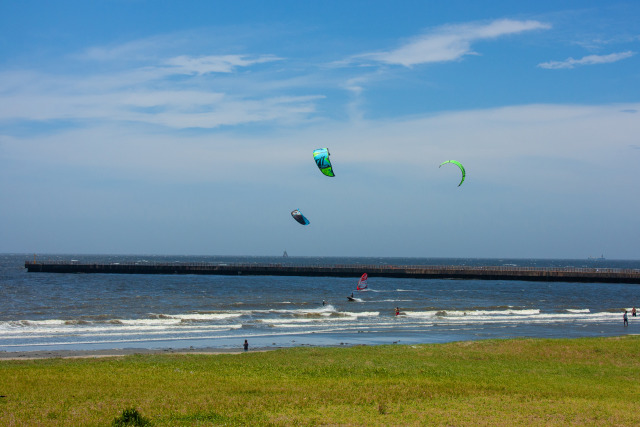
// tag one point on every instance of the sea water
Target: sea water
(48, 311)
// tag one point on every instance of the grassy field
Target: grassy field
(594, 381)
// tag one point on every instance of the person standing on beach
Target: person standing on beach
(624, 317)
(246, 345)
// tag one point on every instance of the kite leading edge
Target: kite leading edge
(455, 162)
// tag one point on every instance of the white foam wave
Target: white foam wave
(307, 320)
(509, 315)
(361, 314)
(324, 310)
(207, 316)
(204, 325)
(102, 332)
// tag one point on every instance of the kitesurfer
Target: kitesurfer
(397, 311)
(324, 303)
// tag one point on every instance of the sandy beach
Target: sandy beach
(71, 354)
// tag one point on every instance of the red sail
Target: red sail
(362, 282)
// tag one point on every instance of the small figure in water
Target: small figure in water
(246, 345)
(633, 312)
(352, 297)
(624, 317)
(397, 311)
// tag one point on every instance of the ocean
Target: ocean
(47, 311)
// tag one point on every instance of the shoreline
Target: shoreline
(117, 352)
(122, 352)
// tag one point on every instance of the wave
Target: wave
(201, 316)
(362, 314)
(102, 332)
(326, 312)
(234, 324)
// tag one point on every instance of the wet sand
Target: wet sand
(116, 352)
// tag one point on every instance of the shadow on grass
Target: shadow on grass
(131, 417)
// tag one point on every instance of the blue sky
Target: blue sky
(165, 127)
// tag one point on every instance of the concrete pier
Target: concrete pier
(594, 275)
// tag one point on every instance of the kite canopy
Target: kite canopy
(455, 162)
(297, 215)
(321, 156)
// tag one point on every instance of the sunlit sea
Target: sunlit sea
(48, 311)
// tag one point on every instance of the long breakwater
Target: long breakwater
(546, 274)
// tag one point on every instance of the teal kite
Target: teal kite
(455, 162)
(321, 156)
(297, 215)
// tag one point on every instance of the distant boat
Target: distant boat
(285, 254)
(600, 258)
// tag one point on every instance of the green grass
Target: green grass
(594, 381)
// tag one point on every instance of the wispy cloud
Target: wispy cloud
(214, 64)
(451, 42)
(587, 60)
(175, 91)
(176, 108)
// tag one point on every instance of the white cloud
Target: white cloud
(174, 109)
(214, 64)
(144, 49)
(485, 138)
(522, 162)
(587, 60)
(451, 42)
(151, 95)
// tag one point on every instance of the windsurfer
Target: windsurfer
(362, 282)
